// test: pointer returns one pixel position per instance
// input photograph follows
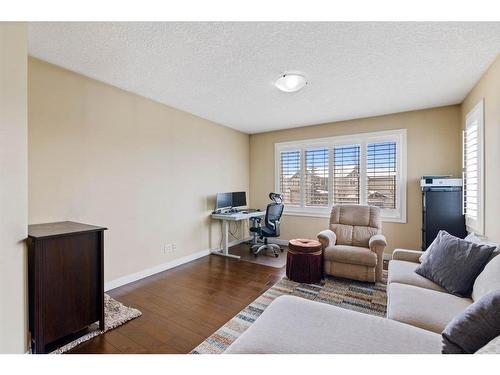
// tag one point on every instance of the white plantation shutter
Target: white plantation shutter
(290, 177)
(381, 180)
(316, 177)
(346, 174)
(473, 169)
(366, 168)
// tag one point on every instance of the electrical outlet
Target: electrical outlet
(169, 247)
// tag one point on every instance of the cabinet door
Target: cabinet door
(70, 284)
(443, 211)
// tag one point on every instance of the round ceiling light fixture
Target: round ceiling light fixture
(290, 82)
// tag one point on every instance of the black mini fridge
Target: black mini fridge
(442, 210)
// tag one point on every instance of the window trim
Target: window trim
(473, 225)
(397, 215)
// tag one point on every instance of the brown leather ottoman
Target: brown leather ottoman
(304, 261)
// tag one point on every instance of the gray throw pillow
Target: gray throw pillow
(453, 263)
(475, 327)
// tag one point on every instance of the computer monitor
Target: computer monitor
(223, 200)
(239, 199)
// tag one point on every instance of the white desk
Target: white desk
(226, 218)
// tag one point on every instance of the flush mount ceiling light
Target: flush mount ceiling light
(291, 82)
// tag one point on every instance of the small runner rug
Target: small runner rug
(115, 314)
(359, 296)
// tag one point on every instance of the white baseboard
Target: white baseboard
(127, 279)
(153, 270)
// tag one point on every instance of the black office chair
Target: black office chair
(271, 227)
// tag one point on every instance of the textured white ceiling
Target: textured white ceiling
(225, 72)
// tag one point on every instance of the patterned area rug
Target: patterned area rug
(115, 314)
(359, 296)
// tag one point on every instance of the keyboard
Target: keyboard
(247, 211)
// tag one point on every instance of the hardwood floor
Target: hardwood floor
(183, 306)
(265, 258)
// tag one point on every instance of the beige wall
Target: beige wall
(146, 171)
(13, 187)
(434, 144)
(488, 88)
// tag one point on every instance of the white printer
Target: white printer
(437, 181)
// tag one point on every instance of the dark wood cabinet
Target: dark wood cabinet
(66, 282)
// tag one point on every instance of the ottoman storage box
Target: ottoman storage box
(304, 261)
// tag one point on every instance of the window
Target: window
(381, 174)
(316, 177)
(473, 171)
(365, 168)
(346, 174)
(290, 177)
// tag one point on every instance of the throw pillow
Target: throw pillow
(426, 252)
(475, 327)
(454, 263)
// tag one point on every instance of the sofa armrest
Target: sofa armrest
(377, 240)
(327, 238)
(407, 255)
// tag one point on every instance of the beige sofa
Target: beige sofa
(415, 300)
(353, 246)
(294, 325)
(418, 310)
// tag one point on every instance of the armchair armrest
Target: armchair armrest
(407, 255)
(377, 240)
(327, 238)
(377, 244)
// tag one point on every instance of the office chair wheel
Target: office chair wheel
(276, 255)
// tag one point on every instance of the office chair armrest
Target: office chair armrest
(327, 238)
(275, 224)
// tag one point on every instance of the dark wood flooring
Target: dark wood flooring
(265, 258)
(182, 306)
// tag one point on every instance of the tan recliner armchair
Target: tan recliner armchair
(353, 247)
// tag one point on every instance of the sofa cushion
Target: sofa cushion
(351, 255)
(474, 327)
(403, 272)
(424, 308)
(454, 263)
(493, 347)
(329, 329)
(488, 280)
